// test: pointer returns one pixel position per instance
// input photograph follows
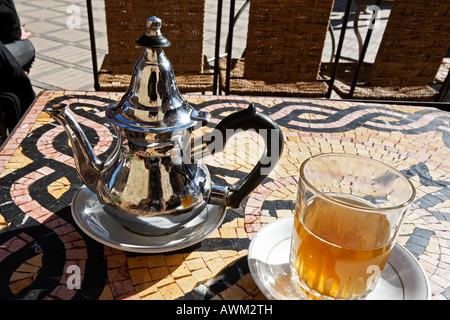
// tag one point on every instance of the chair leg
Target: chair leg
(339, 49)
(217, 47)
(443, 92)
(333, 43)
(229, 46)
(93, 45)
(355, 27)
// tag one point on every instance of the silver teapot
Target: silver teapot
(150, 183)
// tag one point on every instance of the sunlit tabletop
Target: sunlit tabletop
(39, 240)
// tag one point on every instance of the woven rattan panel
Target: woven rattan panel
(182, 24)
(415, 41)
(286, 39)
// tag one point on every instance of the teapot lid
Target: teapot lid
(153, 102)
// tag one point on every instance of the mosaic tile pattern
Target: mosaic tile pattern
(39, 241)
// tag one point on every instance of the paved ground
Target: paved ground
(63, 58)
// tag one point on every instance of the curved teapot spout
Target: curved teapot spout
(90, 168)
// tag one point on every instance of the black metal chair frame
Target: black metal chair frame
(441, 96)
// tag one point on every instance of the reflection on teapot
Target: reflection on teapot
(149, 182)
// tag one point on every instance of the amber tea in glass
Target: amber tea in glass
(348, 213)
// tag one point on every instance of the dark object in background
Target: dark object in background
(16, 57)
(13, 83)
(10, 113)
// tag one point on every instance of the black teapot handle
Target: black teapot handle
(247, 119)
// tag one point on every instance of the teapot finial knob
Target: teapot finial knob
(153, 38)
(154, 25)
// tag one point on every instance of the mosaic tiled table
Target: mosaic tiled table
(39, 240)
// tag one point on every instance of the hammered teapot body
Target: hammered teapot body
(150, 183)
